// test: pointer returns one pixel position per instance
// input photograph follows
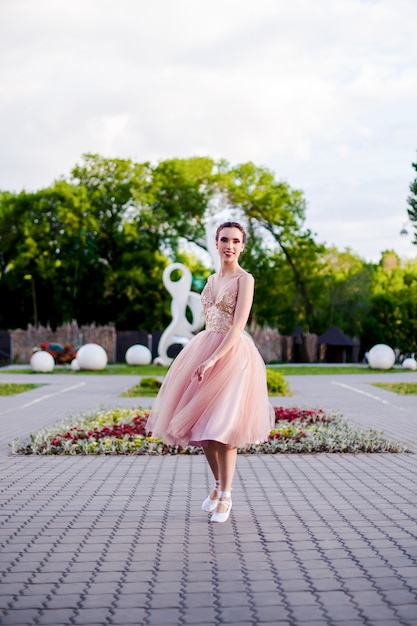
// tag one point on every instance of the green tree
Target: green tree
(276, 214)
(144, 212)
(392, 320)
(94, 247)
(180, 192)
(127, 247)
(346, 291)
(392, 316)
(37, 264)
(412, 201)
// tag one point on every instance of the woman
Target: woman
(215, 393)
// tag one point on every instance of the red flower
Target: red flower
(308, 416)
(119, 431)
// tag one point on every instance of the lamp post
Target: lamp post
(404, 232)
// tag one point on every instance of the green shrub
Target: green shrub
(150, 383)
(277, 385)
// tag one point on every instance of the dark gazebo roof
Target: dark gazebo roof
(298, 335)
(334, 337)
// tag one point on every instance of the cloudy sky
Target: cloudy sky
(322, 92)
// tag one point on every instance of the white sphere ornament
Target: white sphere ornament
(138, 355)
(91, 356)
(410, 364)
(381, 357)
(75, 366)
(42, 361)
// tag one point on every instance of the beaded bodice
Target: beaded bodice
(219, 313)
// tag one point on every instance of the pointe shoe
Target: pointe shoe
(210, 503)
(223, 516)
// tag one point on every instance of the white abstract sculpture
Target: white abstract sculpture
(212, 224)
(381, 357)
(410, 364)
(180, 330)
(138, 355)
(42, 361)
(91, 356)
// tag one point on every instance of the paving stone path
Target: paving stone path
(312, 540)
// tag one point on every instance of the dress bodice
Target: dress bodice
(219, 312)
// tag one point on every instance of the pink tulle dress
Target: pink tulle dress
(231, 404)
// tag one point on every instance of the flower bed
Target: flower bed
(123, 431)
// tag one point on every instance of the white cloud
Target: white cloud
(324, 93)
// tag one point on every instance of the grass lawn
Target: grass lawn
(329, 370)
(11, 389)
(115, 369)
(403, 389)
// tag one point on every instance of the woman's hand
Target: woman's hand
(202, 369)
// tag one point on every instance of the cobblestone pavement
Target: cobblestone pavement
(312, 540)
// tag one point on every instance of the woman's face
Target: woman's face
(230, 244)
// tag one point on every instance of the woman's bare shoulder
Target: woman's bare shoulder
(247, 277)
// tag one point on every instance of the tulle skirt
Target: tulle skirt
(230, 405)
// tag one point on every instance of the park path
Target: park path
(312, 540)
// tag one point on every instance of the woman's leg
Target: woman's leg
(227, 465)
(212, 499)
(212, 457)
(222, 462)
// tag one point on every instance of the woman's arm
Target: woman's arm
(242, 311)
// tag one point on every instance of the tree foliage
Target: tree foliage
(412, 201)
(93, 248)
(271, 207)
(392, 316)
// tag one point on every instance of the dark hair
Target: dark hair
(231, 225)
